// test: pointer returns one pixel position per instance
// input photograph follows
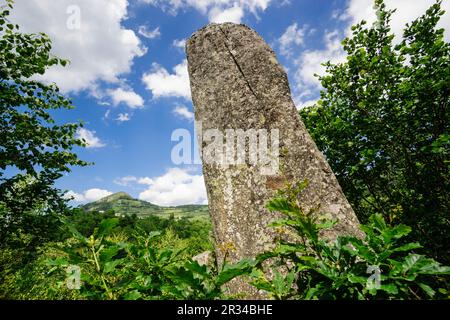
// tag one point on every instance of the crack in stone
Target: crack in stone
(237, 64)
(237, 195)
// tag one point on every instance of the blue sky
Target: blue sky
(129, 82)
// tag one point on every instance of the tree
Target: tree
(34, 150)
(383, 124)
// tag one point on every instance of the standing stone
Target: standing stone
(237, 83)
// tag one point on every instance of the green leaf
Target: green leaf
(60, 261)
(314, 292)
(196, 268)
(280, 205)
(328, 224)
(110, 266)
(108, 253)
(106, 226)
(231, 271)
(410, 262)
(132, 295)
(154, 234)
(389, 288)
(427, 289)
(407, 247)
(397, 232)
(418, 264)
(357, 279)
(362, 251)
(378, 222)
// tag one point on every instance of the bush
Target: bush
(380, 266)
(144, 266)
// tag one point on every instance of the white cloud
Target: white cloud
(125, 181)
(100, 50)
(89, 195)
(300, 104)
(145, 180)
(128, 97)
(292, 36)
(179, 43)
(175, 187)
(163, 84)
(149, 34)
(183, 111)
(90, 138)
(71, 195)
(310, 63)
(284, 3)
(233, 14)
(106, 115)
(406, 12)
(123, 117)
(216, 10)
(131, 180)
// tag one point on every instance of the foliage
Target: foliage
(194, 233)
(25, 279)
(26, 274)
(309, 267)
(34, 150)
(155, 265)
(141, 267)
(383, 122)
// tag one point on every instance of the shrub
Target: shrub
(380, 266)
(144, 266)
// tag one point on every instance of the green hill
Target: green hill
(124, 204)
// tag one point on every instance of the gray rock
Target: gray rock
(238, 83)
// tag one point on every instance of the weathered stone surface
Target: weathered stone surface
(237, 83)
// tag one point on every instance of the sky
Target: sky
(129, 82)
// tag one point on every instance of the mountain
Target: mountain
(124, 204)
